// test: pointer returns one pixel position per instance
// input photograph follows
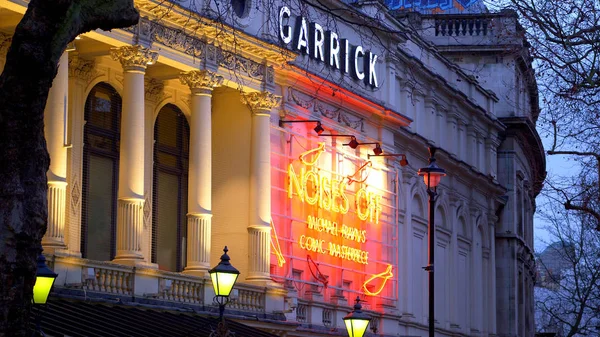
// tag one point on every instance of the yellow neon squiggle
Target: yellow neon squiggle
(275, 245)
(351, 177)
(386, 275)
(318, 151)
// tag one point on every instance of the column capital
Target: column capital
(261, 101)
(201, 81)
(134, 57)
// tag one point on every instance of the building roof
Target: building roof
(66, 317)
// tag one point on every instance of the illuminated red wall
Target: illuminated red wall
(334, 216)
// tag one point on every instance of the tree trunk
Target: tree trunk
(31, 64)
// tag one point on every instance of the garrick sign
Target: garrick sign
(326, 46)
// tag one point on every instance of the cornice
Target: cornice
(213, 32)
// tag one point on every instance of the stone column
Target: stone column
(55, 129)
(259, 228)
(451, 142)
(406, 295)
(429, 118)
(471, 157)
(201, 83)
(130, 203)
(441, 128)
(461, 139)
(81, 72)
(492, 306)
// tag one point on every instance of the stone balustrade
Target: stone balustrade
(177, 288)
(249, 298)
(466, 29)
(108, 278)
(464, 26)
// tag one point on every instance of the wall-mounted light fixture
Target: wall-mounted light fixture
(403, 160)
(318, 129)
(377, 150)
(353, 142)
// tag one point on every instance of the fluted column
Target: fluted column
(55, 117)
(201, 83)
(130, 204)
(259, 229)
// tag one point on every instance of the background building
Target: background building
(166, 145)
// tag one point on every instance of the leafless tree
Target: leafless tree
(568, 293)
(565, 42)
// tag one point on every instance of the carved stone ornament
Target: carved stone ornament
(264, 100)
(300, 99)
(347, 119)
(134, 56)
(75, 195)
(147, 211)
(241, 65)
(153, 89)
(80, 68)
(201, 79)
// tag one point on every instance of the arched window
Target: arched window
(169, 199)
(100, 172)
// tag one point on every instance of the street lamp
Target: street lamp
(357, 321)
(223, 278)
(432, 174)
(44, 280)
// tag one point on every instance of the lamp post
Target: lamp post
(432, 174)
(357, 321)
(223, 278)
(44, 280)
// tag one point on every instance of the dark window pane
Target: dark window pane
(171, 135)
(167, 218)
(100, 160)
(100, 208)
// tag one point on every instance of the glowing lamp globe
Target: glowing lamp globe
(44, 280)
(223, 276)
(432, 174)
(357, 321)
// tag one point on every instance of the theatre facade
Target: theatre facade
(292, 135)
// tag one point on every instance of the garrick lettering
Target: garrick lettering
(326, 46)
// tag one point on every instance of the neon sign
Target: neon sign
(339, 227)
(385, 276)
(312, 187)
(329, 194)
(321, 246)
(275, 245)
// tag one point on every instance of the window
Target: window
(239, 7)
(169, 195)
(100, 173)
